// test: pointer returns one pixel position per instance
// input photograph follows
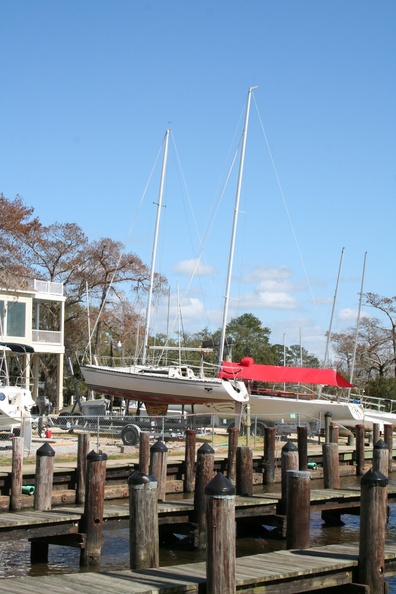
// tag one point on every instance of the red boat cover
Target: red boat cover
(247, 369)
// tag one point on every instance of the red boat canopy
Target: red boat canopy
(247, 369)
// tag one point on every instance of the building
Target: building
(23, 321)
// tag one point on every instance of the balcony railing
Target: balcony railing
(47, 336)
(47, 287)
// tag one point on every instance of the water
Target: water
(15, 556)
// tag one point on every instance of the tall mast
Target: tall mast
(357, 323)
(332, 311)
(154, 254)
(234, 227)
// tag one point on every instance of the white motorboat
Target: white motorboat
(16, 401)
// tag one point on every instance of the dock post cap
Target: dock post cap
(289, 447)
(96, 456)
(374, 478)
(380, 445)
(45, 450)
(220, 486)
(328, 414)
(205, 449)
(138, 478)
(159, 446)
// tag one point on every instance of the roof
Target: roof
(16, 347)
(247, 369)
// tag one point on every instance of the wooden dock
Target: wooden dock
(268, 573)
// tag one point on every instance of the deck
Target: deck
(269, 573)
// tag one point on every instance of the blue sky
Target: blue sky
(89, 88)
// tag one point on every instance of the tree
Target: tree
(388, 306)
(16, 223)
(250, 339)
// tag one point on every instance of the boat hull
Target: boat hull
(159, 388)
(277, 409)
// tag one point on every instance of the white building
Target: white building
(21, 322)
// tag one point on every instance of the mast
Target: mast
(357, 324)
(154, 253)
(332, 311)
(234, 227)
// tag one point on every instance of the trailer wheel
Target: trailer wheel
(255, 429)
(130, 435)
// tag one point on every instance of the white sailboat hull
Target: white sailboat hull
(277, 409)
(162, 385)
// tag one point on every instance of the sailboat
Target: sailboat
(159, 386)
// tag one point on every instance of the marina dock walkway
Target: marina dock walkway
(268, 573)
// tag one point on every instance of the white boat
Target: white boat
(273, 405)
(158, 386)
(16, 401)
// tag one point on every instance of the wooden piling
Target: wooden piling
(331, 470)
(17, 475)
(298, 509)
(220, 536)
(373, 516)
(381, 457)
(359, 450)
(388, 439)
(376, 432)
(334, 433)
(158, 467)
(302, 444)
(143, 522)
(328, 416)
(203, 474)
(92, 521)
(289, 461)
(233, 437)
(269, 455)
(189, 470)
(144, 452)
(82, 453)
(42, 497)
(44, 477)
(244, 475)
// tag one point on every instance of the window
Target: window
(16, 319)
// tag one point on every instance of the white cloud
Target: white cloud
(193, 267)
(268, 300)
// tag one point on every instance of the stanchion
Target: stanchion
(144, 452)
(17, 476)
(82, 453)
(220, 536)
(233, 437)
(143, 521)
(269, 455)
(289, 461)
(92, 521)
(203, 474)
(158, 467)
(381, 457)
(244, 475)
(189, 470)
(373, 505)
(302, 443)
(298, 509)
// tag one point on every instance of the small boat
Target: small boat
(16, 401)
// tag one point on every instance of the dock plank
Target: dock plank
(266, 573)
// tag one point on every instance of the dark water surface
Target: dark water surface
(15, 556)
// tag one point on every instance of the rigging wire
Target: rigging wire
(285, 204)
